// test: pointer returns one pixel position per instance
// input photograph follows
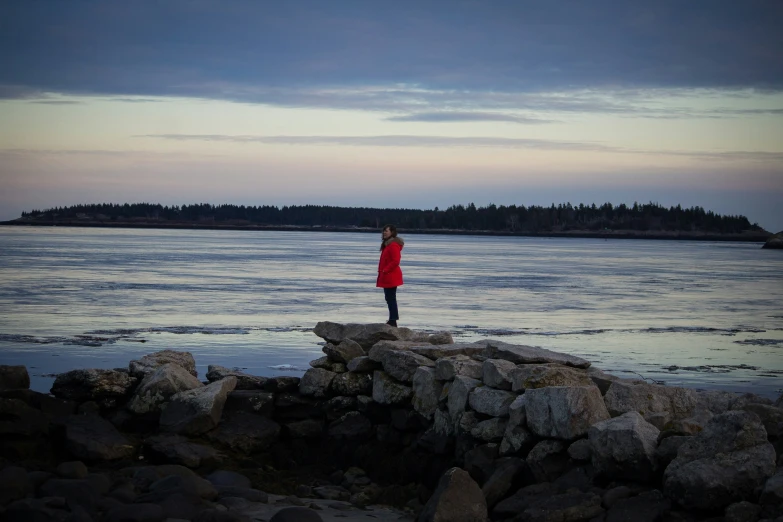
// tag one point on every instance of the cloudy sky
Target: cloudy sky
(393, 103)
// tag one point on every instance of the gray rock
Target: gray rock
(14, 484)
(649, 506)
(448, 350)
(563, 412)
(742, 512)
(251, 401)
(490, 430)
(403, 365)
(14, 377)
(364, 334)
(140, 367)
(73, 470)
(446, 368)
(363, 365)
(245, 381)
(504, 477)
(426, 391)
(352, 425)
(496, 373)
(90, 437)
(491, 401)
(517, 440)
(385, 390)
(519, 354)
(580, 450)
(352, 384)
(548, 460)
(296, 514)
(245, 432)
(316, 382)
(344, 352)
(197, 411)
(108, 388)
(657, 404)
(159, 385)
(459, 391)
(179, 450)
(456, 499)
(723, 464)
(305, 429)
(624, 447)
(533, 376)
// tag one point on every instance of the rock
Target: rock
(17, 419)
(456, 499)
(657, 404)
(624, 447)
(296, 514)
(723, 464)
(771, 499)
(140, 367)
(159, 385)
(93, 438)
(315, 382)
(519, 354)
(244, 381)
(649, 506)
(459, 391)
(74, 470)
(448, 350)
(197, 411)
(490, 430)
(386, 390)
(282, 384)
(402, 365)
(245, 432)
(503, 479)
(495, 373)
(775, 241)
(364, 334)
(601, 379)
(490, 401)
(548, 460)
(14, 377)
(363, 365)
(344, 352)
(179, 450)
(742, 512)
(667, 450)
(108, 388)
(251, 401)
(446, 368)
(771, 417)
(565, 507)
(526, 497)
(14, 484)
(426, 391)
(580, 450)
(352, 425)
(563, 412)
(517, 440)
(352, 384)
(533, 376)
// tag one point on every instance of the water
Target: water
(698, 314)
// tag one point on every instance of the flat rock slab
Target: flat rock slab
(521, 354)
(90, 437)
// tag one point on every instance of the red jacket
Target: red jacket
(389, 273)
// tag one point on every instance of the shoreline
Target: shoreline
(577, 234)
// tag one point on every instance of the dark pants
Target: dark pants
(391, 300)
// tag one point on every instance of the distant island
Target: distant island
(650, 220)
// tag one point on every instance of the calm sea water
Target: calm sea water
(698, 314)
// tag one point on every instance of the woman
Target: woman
(389, 273)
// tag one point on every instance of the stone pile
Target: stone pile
(453, 431)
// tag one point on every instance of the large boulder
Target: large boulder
(91, 437)
(344, 352)
(140, 367)
(426, 391)
(520, 354)
(490, 401)
(456, 499)
(197, 411)
(532, 376)
(723, 464)
(14, 377)
(245, 381)
(446, 368)
(364, 334)
(459, 391)
(563, 412)
(352, 384)
(496, 373)
(385, 390)
(656, 403)
(245, 432)
(159, 386)
(623, 448)
(316, 382)
(402, 365)
(108, 388)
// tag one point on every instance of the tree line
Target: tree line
(512, 218)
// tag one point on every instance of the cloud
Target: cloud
(454, 116)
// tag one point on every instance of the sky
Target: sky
(400, 104)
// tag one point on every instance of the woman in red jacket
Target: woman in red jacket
(389, 273)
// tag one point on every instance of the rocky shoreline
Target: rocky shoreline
(391, 424)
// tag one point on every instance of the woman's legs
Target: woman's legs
(391, 300)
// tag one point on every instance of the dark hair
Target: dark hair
(393, 231)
